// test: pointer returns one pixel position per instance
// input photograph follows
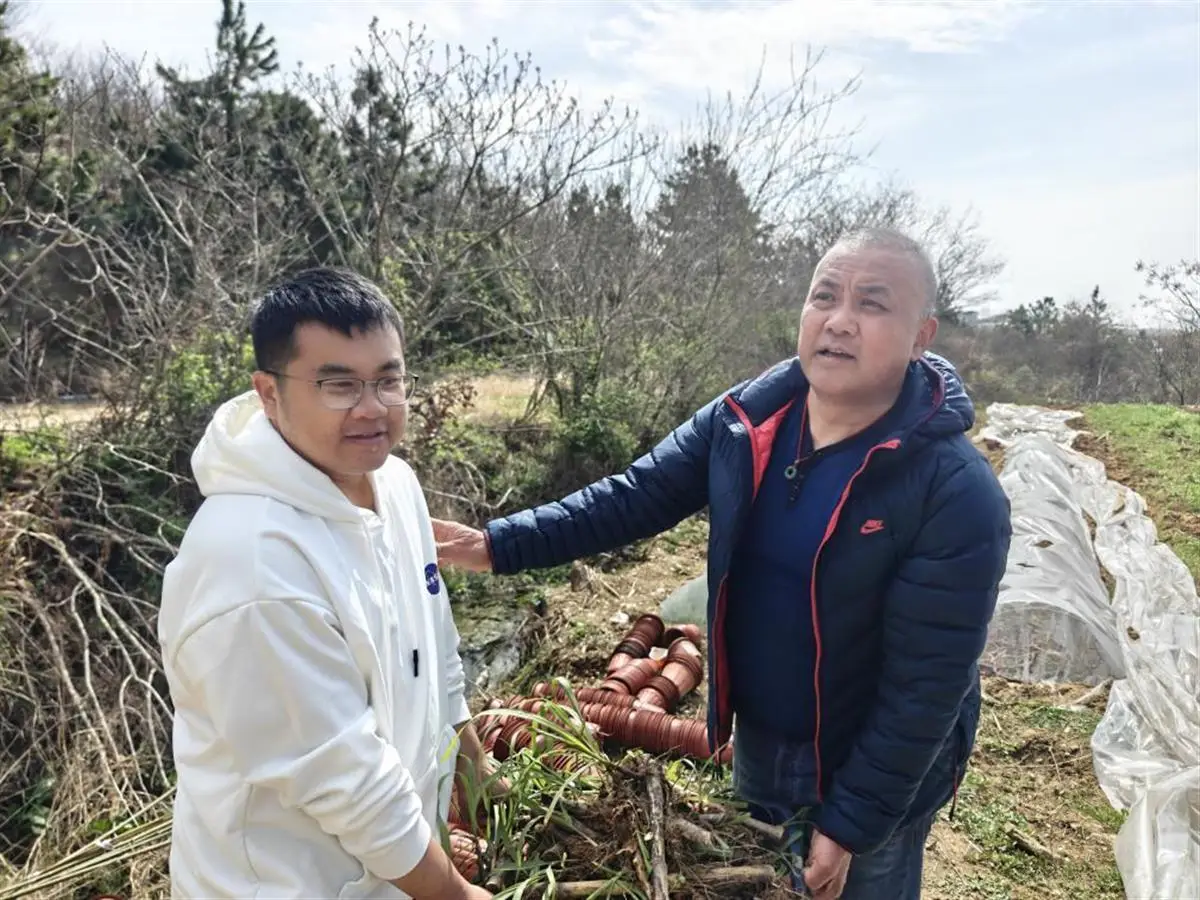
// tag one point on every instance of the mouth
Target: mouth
(367, 437)
(834, 353)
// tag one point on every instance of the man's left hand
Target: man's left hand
(475, 775)
(827, 867)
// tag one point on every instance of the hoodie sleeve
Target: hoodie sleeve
(284, 694)
(456, 679)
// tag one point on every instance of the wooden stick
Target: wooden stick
(1031, 845)
(1090, 695)
(658, 842)
(716, 877)
(724, 876)
(767, 830)
(694, 833)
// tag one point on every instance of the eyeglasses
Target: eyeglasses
(343, 392)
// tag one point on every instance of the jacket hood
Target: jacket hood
(242, 453)
(940, 403)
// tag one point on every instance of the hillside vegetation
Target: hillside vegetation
(574, 283)
(1152, 448)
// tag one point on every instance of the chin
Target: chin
(365, 459)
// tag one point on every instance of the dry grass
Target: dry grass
(501, 397)
(18, 417)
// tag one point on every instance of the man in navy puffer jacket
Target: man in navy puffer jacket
(857, 541)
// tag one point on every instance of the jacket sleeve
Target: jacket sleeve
(284, 694)
(659, 490)
(936, 617)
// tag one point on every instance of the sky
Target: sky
(1071, 128)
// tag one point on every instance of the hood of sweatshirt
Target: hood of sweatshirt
(242, 453)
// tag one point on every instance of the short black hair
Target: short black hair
(337, 298)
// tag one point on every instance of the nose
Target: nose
(369, 406)
(841, 319)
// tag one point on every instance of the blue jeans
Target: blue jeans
(777, 780)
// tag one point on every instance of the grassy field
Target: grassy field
(1153, 449)
(19, 417)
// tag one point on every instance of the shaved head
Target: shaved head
(868, 315)
(892, 241)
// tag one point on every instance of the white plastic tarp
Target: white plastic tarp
(1055, 621)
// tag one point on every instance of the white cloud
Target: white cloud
(692, 48)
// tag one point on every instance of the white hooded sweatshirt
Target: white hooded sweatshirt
(313, 665)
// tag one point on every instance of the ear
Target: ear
(925, 336)
(267, 388)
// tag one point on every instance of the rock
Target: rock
(494, 638)
(580, 576)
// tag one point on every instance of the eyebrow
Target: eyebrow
(392, 365)
(871, 289)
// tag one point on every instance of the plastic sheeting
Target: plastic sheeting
(687, 603)
(1055, 621)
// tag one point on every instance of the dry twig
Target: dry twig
(658, 843)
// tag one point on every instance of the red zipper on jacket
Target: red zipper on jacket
(939, 395)
(760, 455)
(761, 440)
(830, 527)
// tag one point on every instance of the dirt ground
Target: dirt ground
(1030, 822)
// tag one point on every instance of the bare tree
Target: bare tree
(1176, 297)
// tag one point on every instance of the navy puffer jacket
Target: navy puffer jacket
(903, 604)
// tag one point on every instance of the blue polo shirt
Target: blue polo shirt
(768, 625)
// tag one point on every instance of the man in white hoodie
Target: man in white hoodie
(305, 630)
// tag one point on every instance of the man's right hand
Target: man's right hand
(461, 546)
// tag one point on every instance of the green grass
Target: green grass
(1031, 776)
(1157, 445)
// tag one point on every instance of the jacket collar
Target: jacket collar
(933, 402)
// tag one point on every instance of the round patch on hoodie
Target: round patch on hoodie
(432, 580)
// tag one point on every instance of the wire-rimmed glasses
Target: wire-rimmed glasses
(342, 392)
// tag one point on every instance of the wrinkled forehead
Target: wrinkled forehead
(872, 270)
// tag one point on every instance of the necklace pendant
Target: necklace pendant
(790, 473)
